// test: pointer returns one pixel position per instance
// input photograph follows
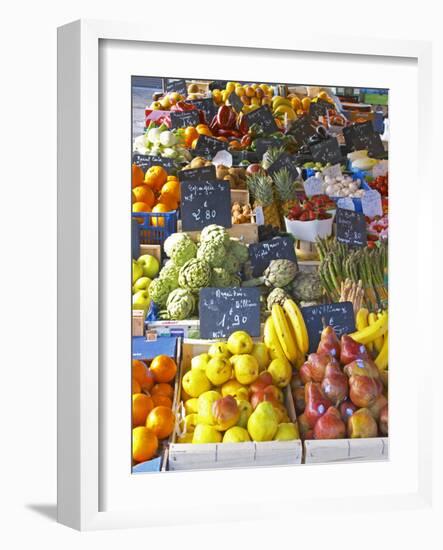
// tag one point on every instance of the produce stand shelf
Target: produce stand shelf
(346, 450)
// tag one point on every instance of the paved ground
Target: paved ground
(141, 97)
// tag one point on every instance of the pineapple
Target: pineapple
(270, 156)
(285, 188)
(262, 188)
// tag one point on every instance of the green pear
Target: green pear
(218, 370)
(236, 435)
(137, 271)
(206, 434)
(261, 353)
(141, 284)
(200, 361)
(245, 412)
(219, 348)
(287, 431)
(263, 422)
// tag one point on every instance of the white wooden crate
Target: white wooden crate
(187, 456)
(346, 450)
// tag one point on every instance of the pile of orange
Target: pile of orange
(155, 192)
(152, 415)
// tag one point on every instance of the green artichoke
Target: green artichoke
(172, 241)
(280, 273)
(235, 280)
(183, 251)
(159, 291)
(276, 296)
(170, 271)
(239, 250)
(306, 287)
(216, 233)
(212, 252)
(231, 264)
(180, 304)
(220, 278)
(194, 274)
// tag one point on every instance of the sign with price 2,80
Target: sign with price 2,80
(226, 310)
(204, 203)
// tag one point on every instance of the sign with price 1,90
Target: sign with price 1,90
(204, 203)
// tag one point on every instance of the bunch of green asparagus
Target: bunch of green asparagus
(339, 262)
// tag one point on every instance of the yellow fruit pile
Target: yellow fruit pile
(252, 96)
(233, 393)
(372, 331)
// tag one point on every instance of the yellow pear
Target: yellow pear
(195, 382)
(204, 410)
(260, 352)
(246, 369)
(200, 361)
(206, 434)
(281, 372)
(236, 434)
(218, 370)
(240, 342)
(245, 412)
(287, 431)
(234, 388)
(263, 424)
(191, 405)
(219, 348)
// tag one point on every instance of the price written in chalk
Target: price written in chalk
(261, 254)
(351, 228)
(222, 311)
(204, 203)
(182, 119)
(178, 85)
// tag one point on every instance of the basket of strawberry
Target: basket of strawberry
(380, 184)
(311, 219)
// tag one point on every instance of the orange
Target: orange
(172, 178)
(142, 374)
(142, 405)
(155, 177)
(305, 102)
(163, 368)
(143, 193)
(133, 197)
(160, 208)
(190, 134)
(161, 421)
(144, 444)
(172, 187)
(136, 388)
(163, 389)
(137, 175)
(168, 199)
(141, 207)
(296, 103)
(161, 400)
(249, 91)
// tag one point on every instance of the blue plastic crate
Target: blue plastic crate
(135, 240)
(150, 232)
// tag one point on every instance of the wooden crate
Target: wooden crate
(152, 249)
(185, 456)
(346, 450)
(240, 195)
(138, 322)
(246, 232)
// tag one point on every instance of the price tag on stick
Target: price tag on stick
(264, 118)
(206, 173)
(205, 203)
(182, 119)
(351, 228)
(302, 129)
(261, 254)
(236, 102)
(206, 105)
(208, 146)
(326, 151)
(146, 161)
(340, 316)
(222, 311)
(284, 161)
(178, 85)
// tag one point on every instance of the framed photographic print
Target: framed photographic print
(224, 269)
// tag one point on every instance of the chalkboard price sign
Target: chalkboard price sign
(326, 151)
(206, 105)
(218, 85)
(351, 227)
(302, 129)
(236, 102)
(339, 316)
(206, 173)
(284, 161)
(204, 203)
(263, 144)
(261, 254)
(178, 86)
(222, 311)
(146, 161)
(363, 136)
(318, 109)
(262, 117)
(181, 119)
(208, 146)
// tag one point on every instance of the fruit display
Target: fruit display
(280, 329)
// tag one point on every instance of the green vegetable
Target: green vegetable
(180, 304)
(194, 274)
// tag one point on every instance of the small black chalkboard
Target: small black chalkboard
(206, 173)
(347, 134)
(302, 129)
(285, 160)
(261, 254)
(236, 102)
(181, 119)
(208, 146)
(262, 117)
(206, 105)
(326, 151)
(351, 227)
(222, 311)
(218, 85)
(318, 108)
(146, 161)
(263, 144)
(363, 136)
(339, 315)
(178, 86)
(205, 203)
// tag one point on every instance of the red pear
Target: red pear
(362, 425)
(316, 403)
(329, 342)
(264, 379)
(362, 367)
(269, 393)
(351, 350)
(347, 409)
(335, 384)
(304, 428)
(383, 422)
(364, 390)
(313, 370)
(330, 425)
(376, 408)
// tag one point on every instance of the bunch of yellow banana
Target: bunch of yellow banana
(372, 331)
(285, 333)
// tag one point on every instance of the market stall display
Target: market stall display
(275, 188)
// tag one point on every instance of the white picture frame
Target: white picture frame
(85, 386)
